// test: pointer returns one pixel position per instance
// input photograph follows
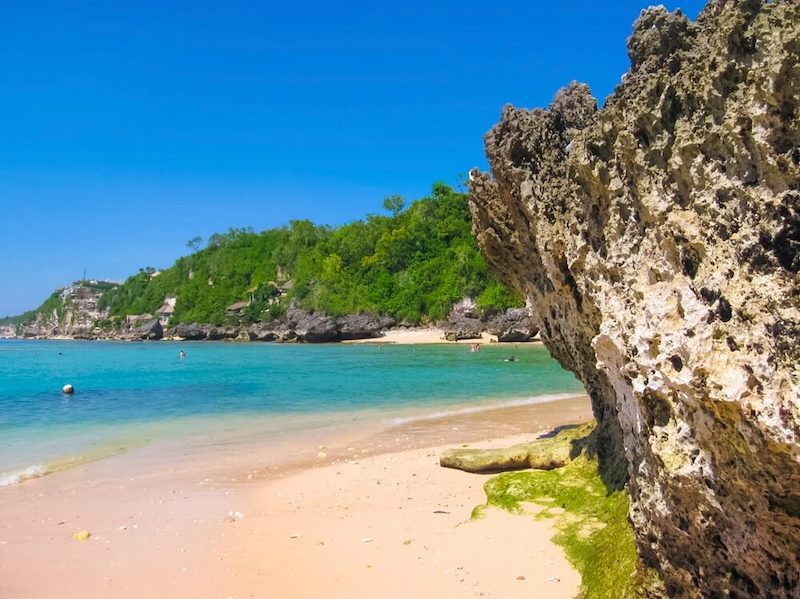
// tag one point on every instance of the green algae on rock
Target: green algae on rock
(592, 524)
(592, 521)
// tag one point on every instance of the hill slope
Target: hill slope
(412, 265)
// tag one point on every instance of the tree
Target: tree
(394, 204)
(194, 243)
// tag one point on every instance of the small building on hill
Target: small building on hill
(166, 310)
(236, 309)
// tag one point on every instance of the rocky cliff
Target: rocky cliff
(657, 241)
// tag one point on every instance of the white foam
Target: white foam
(17, 476)
(525, 401)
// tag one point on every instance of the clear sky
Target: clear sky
(127, 128)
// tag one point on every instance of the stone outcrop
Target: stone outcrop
(462, 327)
(515, 325)
(189, 332)
(149, 331)
(261, 332)
(363, 326)
(222, 333)
(317, 327)
(545, 453)
(312, 327)
(657, 242)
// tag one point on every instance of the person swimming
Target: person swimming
(182, 354)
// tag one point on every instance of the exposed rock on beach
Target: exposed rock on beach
(657, 242)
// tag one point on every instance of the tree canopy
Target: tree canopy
(413, 264)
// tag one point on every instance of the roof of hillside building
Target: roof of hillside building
(167, 308)
(237, 306)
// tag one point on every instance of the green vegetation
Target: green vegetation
(592, 522)
(413, 264)
(18, 319)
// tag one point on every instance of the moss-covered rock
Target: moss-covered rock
(544, 454)
(592, 521)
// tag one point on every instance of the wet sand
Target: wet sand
(362, 512)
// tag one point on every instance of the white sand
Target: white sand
(374, 517)
(423, 336)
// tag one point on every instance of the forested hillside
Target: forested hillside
(412, 264)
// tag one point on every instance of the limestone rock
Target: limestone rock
(149, 331)
(190, 332)
(362, 326)
(657, 243)
(462, 327)
(515, 325)
(543, 454)
(312, 327)
(261, 333)
(221, 333)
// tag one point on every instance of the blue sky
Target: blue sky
(128, 128)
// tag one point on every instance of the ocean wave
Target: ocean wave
(474, 409)
(17, 476)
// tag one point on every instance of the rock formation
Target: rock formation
(657, 242)
(513, 326)
(149, 331)
(545, 453)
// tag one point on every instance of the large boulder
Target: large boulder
(515, 325)
(546, 453)
(260, 332)
(657, 242)
(221, 333)
(459, 327)
(363, 326)
(312, 327)
(189, 332)
(149, 331)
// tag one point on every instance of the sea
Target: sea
(131, 395)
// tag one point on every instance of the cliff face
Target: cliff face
(658, 244)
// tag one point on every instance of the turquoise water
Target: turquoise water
(127, 394)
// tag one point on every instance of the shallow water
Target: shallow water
(132, 394)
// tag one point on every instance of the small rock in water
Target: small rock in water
(82, 535)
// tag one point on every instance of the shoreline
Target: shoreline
(434, 335)
(197, 525)
(399, 336)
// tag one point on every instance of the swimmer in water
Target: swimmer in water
(182, 354)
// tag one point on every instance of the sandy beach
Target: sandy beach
(428, 335)
(363, 514)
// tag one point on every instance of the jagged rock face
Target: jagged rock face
(513, 326)
(658, 244)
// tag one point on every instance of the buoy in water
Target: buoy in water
(68, 389)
